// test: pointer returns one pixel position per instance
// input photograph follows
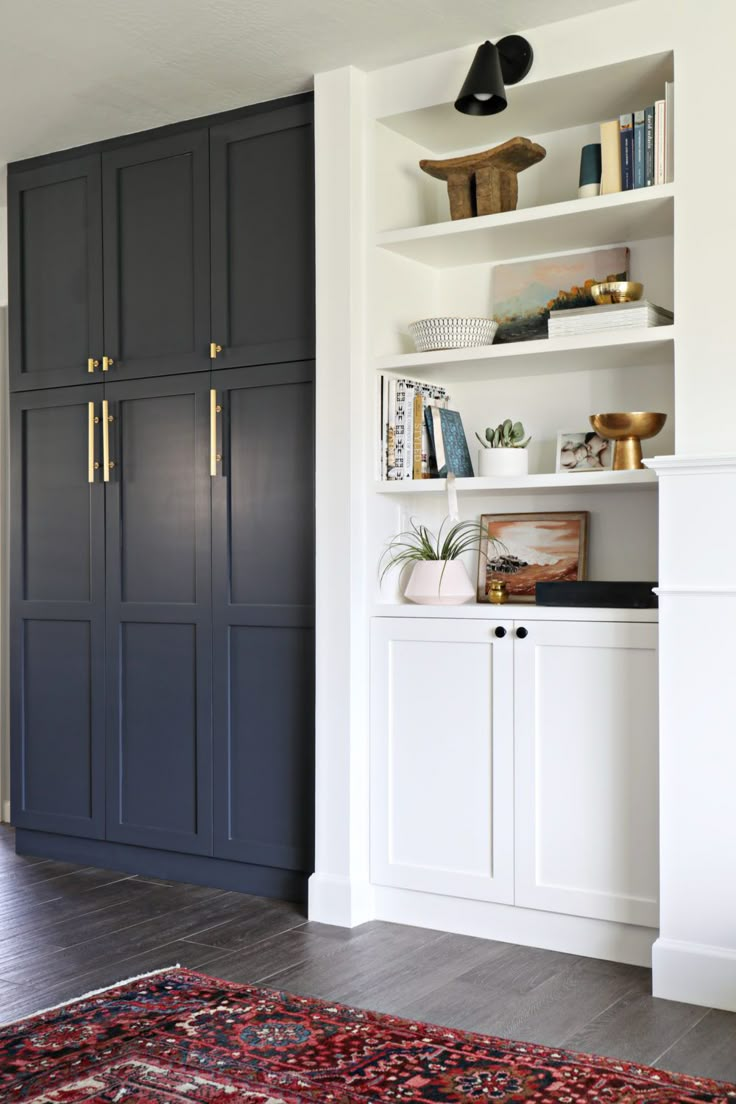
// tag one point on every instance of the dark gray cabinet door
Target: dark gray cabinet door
(57, 612)
(262, 225)
(156, 245)
(263, 616)
(55, 273)
(159, 651)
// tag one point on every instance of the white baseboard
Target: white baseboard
(694, 973)
(511, 924)
(340, 901)
(6, 812)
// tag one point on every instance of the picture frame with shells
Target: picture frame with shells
(583, 451)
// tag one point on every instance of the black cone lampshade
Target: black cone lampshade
(484, 89)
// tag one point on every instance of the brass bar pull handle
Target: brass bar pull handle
(92, 364)
(106, 419)
(214, 349)
(92, 421)
(107, 363)
(215, 409)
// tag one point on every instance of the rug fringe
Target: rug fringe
(92, 993)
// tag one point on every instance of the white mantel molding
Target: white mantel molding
(718, 464)
(696, 591)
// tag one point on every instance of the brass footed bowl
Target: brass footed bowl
(628, 430)
(617, 291)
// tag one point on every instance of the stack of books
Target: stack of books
(405, 443)
(420, 437)
(637, 149)
(608, 316)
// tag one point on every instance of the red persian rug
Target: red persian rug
(178, 1037)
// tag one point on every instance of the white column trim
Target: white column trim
(694, 973)
(724, 591)
(718, 464)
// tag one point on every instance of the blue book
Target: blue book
(448, 444)
(626, 132)
(640, 156)
(649, 146)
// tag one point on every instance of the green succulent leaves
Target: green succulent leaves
(506, 434)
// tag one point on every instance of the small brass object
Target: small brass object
(214, 349)
(215, 456)
(106, 463)
(628, 430)
(91, 463)
(498, 592)
(107, 363)
(92, 364)
(617, 291)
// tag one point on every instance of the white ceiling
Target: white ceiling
(73, 71)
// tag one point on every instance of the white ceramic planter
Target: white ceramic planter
(503, 461)
(429, 586)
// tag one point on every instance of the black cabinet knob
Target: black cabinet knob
(521, 632)
(499, 631)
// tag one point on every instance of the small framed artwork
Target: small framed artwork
(531, 549)
(583, 450)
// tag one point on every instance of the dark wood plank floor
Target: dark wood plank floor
(65, 930)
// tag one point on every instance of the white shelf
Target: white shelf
(537, 107)
(551, 482)
(557, 227)
(630, 349)
(513, 611)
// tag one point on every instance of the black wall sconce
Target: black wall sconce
(494, 66)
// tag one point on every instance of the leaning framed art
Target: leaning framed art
(530, 549)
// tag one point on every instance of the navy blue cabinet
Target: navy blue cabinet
(55, 273)
(263, 615)
(156, 256)
(159, 640)
(57, 612)
(262, 220)
(162, 560)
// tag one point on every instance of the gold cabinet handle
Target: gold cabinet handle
(214, 349)
(107, 463)
(107, 363)
(92, 421)
(92, 364)
(215, 409)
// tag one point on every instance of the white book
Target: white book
(660, 132)
(391, 431)
(410, 388)
(669, 143)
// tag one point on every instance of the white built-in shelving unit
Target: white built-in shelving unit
(421, 263)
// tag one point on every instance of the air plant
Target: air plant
(418, 543)
(507, 434)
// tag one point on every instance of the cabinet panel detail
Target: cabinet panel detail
(56, 508)
(587, 775)
(158, 509)
(158, 732)
(442, 758)
(55, 269)
(262, 197)
(271, 475)
(57, 719)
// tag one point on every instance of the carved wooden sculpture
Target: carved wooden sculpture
(485, 183)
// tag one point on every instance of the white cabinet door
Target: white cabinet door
(442, 757)
(586, 769)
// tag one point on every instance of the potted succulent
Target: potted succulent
(438, 575)
(504, 450)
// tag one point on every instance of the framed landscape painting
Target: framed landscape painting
(531, 549)
(524, 292)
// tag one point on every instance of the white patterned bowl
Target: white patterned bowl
(430, 334)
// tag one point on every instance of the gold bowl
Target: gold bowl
(628, 430)
(617, 291)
